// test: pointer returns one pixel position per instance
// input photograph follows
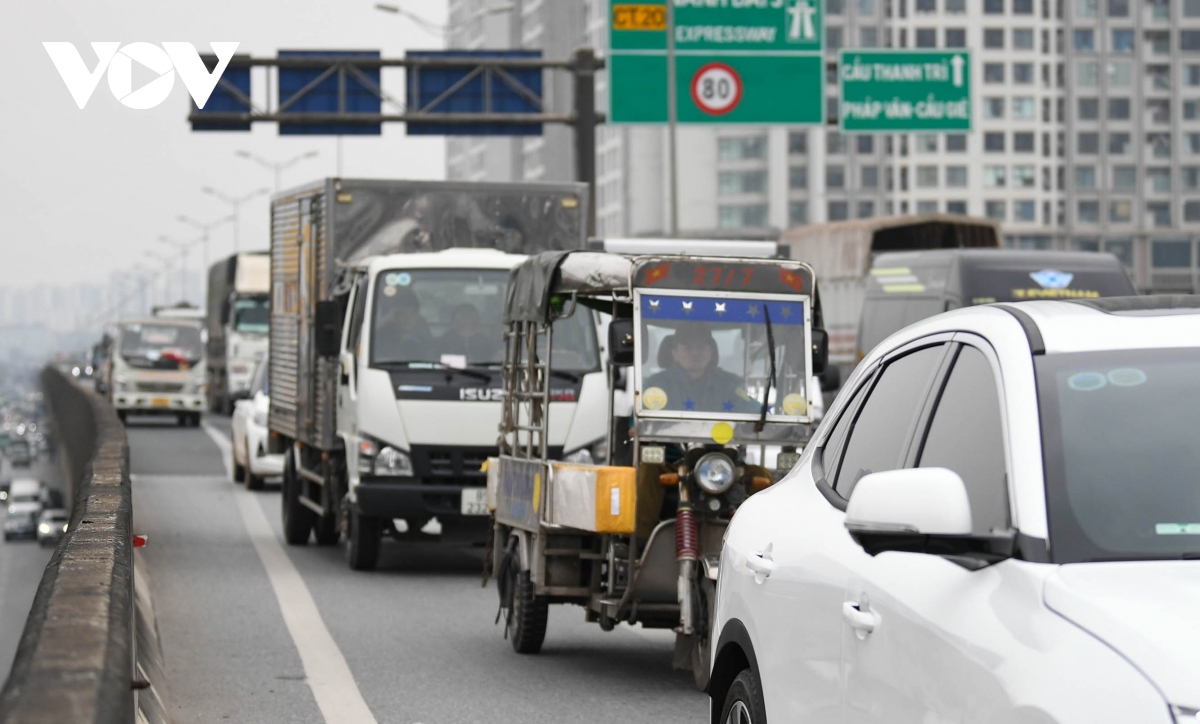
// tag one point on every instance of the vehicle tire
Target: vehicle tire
(362, 541)
(702, 644)
(744, 701)
(226, 407)
(195, 419)
(7, 537)
(297, 518)
(252, 481)
(326, 529)
(182, 419)
(122, 416)
(527, 617)
(239, 471)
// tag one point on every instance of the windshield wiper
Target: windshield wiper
(439, 367)
(762, 418)
(572, 376)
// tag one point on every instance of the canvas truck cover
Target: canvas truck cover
(319, 229)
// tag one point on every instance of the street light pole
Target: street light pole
(166, 274)
(235, 202)
(276, 166)
(182, 247)
(204, 229)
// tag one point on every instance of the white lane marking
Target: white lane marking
(325, 667)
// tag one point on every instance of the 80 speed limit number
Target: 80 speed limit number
(716, 89)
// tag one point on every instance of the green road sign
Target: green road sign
(900, 90)
(736, 61)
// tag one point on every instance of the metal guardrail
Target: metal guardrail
(75, 662)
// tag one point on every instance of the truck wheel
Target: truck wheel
(297, 519)
(226, 406)
(122, 416)
(362, 541)
(252, 481)
(527, 617)
(326, 529)
(183, 419)
(239, 471)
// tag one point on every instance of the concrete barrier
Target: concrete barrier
(75, 662)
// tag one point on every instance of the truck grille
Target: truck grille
(164, 387)
(447, 465)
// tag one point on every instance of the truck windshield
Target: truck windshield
(161, 346)
(252, 315)
(986, 284)
(708, 357)
(455, 317)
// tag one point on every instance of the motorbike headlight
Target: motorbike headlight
(714, 473)
(43, 527)
(391, 461)
(3, 495)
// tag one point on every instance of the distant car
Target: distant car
(251, 461)
(24, 491)
(997, 520)
(52, 526)
(20, 454)
(20, 521)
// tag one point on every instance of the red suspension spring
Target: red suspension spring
(687, 537)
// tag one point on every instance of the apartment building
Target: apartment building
(1086, 131)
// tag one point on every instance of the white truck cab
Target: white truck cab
(158, 369)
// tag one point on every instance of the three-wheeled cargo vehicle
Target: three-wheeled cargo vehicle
(721, 352)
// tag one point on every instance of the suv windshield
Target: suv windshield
(252, 315)
(1116, 492)
(454, 317)
(709, 357)
(161, 346)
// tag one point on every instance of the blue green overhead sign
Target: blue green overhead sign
(901, 90)
(736, 61)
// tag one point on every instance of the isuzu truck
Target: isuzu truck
(238, 319)
(387, 349)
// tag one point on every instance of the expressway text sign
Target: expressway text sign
(899, 91)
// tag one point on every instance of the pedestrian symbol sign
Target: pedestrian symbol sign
(749, 61)
(901, 91)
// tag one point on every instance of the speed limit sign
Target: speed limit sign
(716, 89)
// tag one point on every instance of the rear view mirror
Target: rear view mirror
(831, 378)
(820, 351)
(620, 342)
(328, 328)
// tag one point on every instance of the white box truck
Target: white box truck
(387, 346)
(238, 320)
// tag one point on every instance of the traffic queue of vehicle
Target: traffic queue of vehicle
(966, 535)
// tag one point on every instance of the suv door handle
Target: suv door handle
(762, 564)
(860, 620)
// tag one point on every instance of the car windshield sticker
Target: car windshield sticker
(389, 291)
(1087, 381)
(795, 404)
(1127, 377)
(1177, 529)
(689, 405)
(654, 398)
(1051, 279)
(404, 279)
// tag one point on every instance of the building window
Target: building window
(835, 7)
(993, 142)
(993, 108)
(1085, 178)
(956, 142)
(927, 142)
(1087, 73)
(1085, 40)
(1191, 142)
(1089, 109)
(1120, 211)
(741, 182)
(736, 149)
(1024, 211)
(993, 7)
(1159, 179)
(868, 37)
(1191, 8)
(1087, 8)
(1191, 177)
(866, 7)
(956, 6)
(1191, 110)
(797, 213)
(1189, 40)
(1159, 42)
(927, 177)
(797, 142)
(1124, 178)
(997, 210)
(1119, 143)
(1024, 177)
(798, 177)
(838, 210)
(833, 38)
(1088, 212)
(956, 207)
(1023, 142)
(995, 177)
(732, 217)
(1191, 211)
(1159, 144)
(1118, 109)
(1160, 110)
(869, 176)
(835, 176)
(866, 144)
(1122, 41)
(927, 207)
(835, 143)
(993, 38)
(993, 72)
(1160, 214)
(1191, 74)
(926, 38)
(1023, 73)
(1120, 74)
(1023, 38)
(1023, 108)
(1171, 254)
(1118, 8)
(1088, 142)
(956, 177)
(866, 209)
(956, 38)
(1022, 7)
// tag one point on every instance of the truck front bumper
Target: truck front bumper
(156, 403)
(415, 501)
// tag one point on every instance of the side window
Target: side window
(356, 317)
(966, 436)
(881, 428)
(831, 453)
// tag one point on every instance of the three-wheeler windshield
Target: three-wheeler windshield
(709, 356)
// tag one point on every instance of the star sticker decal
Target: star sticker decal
(687, 307)
(689, 405)
(654, 306)
(786, 311)
(720, 308)
(728, 405)
(753, 311)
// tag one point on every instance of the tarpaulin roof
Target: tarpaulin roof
(535, 280)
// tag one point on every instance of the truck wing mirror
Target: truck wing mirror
(328, 328)
(820, 351)
(620, 342)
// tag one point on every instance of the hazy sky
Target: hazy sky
(87, 192)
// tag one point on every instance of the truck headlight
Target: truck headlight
(121, 382)
(378, 459)
(714, 473)
(198, 387)
(43, 527)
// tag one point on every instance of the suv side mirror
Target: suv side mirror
(328, 328)
(620, 342)
(820, 351)
(920, 510)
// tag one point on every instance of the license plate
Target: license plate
(474, 501)
(160, 402)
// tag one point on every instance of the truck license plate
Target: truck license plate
(474, 501)
(160, 402)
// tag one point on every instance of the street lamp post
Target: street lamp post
(235, 202)
(204, 229)
(182, 248)
(166, 274)
(276, 166)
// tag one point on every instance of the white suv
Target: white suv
(998, 520)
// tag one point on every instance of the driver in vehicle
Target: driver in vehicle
(407, 337)
(466, 337)
(691, 377)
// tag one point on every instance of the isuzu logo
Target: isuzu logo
(481, 394)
